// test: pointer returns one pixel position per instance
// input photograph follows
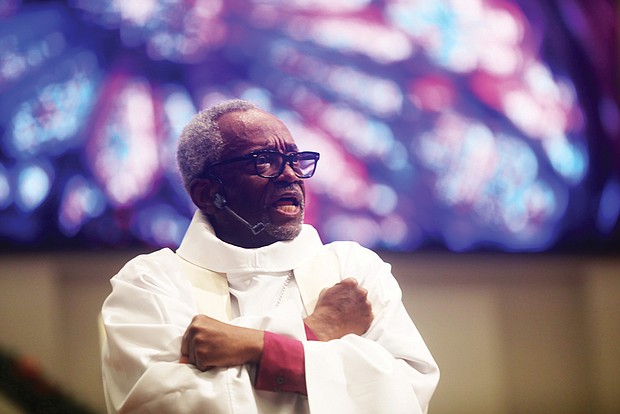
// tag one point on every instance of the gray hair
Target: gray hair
(201, 142)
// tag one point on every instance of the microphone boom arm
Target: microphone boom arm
(257, 228)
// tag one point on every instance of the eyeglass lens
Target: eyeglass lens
(271, 164)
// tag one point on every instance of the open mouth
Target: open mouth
(287, 205)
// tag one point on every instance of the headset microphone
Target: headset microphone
(220, 202)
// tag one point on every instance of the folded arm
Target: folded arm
(207, 343)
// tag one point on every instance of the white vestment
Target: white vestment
(387, 370)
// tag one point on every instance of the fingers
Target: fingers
(349, 281)
(188, 343)
(185, 342)
(342, 309)
(352, 283)
(208, 343)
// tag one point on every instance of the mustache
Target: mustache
(290, 188)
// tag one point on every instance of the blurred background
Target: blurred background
(475, 144)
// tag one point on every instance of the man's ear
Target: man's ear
(202, 191)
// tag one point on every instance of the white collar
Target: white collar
(201, 247)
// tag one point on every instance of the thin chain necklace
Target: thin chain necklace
(286, 282)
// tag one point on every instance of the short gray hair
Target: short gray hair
(201, 142)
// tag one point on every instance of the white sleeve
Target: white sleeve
(145, 318)
(388, 369)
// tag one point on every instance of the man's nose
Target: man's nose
(288, 174)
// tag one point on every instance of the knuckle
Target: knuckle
(193, 331)
(202, 360)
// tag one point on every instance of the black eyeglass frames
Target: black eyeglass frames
(270, 164)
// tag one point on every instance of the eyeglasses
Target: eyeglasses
(270, 164)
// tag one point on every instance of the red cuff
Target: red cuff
(310, 334)
(281, 367)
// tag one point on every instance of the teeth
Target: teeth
(292, 201)
(287, 209)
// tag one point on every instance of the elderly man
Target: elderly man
(253, 313)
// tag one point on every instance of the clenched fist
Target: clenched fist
(209, 343)
(340, 310)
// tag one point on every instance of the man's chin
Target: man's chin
(283, 232)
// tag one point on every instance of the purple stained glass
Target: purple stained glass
(487, 124)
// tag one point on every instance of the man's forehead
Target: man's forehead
(245, 118)
(254, 129)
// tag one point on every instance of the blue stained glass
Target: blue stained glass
(160, 225)
(54, 116)
(28, 41)
(569, 160)
(33, 186)
(81, 201)
(124, 149)
(460, 125)
(609, 209)
(5, 188)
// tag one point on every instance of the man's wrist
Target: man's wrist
(310, 335)
(321, 332)
(256, 346)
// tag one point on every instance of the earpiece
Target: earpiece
(219, 201)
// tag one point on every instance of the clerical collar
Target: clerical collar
(201, 247)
